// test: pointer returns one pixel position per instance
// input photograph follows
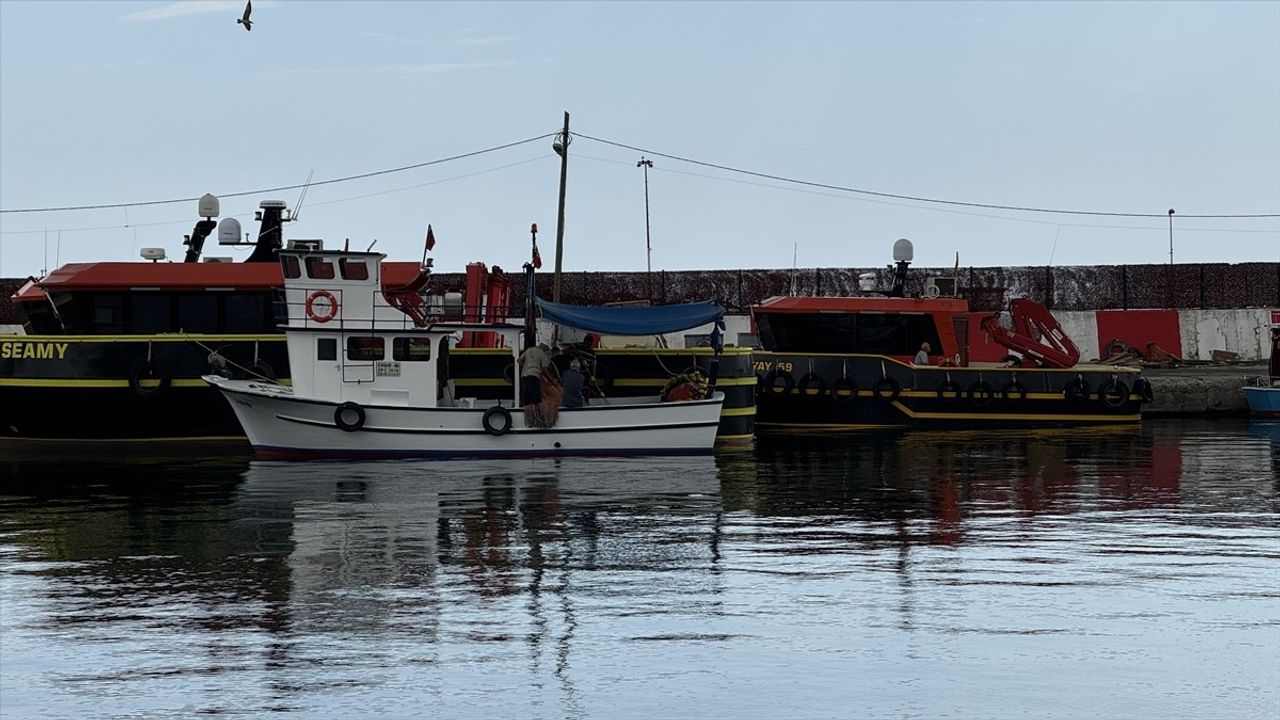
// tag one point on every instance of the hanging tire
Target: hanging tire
(349, 416)
(981, 394)
(1142, 386)
(812, 381)
(887, 389)
(779, 382)
(496, 420)
(260, 370)
(1113, 395)
(1011, 361)
(1077, 390)
(509, 373)
(1013, 392)
(844, 385)
(949, 386)
(145, 370)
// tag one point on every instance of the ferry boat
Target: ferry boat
(371, 377)
(830, 363)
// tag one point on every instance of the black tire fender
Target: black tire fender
(1113, 395)
(149, 370)
(496, 420)
(952, 387)
(812, 381)
(887, 389)
(1077, 389)
(844, 385)
(261, 370)
(509, 373)
(1013, 391)
(1142, 386)
(981, 394)
(341, 412)
(771, 382)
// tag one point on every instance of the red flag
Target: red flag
(537, 259)
(431, 238)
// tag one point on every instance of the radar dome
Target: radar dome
(902, 250)
(208, 206)
(229, 232)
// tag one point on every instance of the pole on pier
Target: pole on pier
(1170, 236)
(648, 246)
(561, 146)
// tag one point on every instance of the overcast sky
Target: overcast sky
(1108, 107)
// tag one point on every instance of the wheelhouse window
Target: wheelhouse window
(366, 348)
(353, 269)
(326, 349)
(411, 349)
(107, 313)
(198, 313)
(150, 313)
(289, 264)
(244, 313)
(319, 269)
(866, 333)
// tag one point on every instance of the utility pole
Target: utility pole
(1170, 236)
(648, 246)
(561, 146)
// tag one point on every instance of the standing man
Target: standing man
(532, 362)
(922, 357)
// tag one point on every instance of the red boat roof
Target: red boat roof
(180, 276)
(861, 304)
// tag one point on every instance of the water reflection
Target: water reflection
(580, 586)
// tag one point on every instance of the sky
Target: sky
(1104, 107)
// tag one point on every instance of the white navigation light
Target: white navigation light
(152, 254)
(209, 206)
(902, 250)
(229, 232)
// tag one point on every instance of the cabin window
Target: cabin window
(882, 334)
(319, 269)
(353, 269)
(366, 348)
(150, 313)
(198, 313)
(244, 313)
(107, 314)
(289, 264)
(922, 329)
(411, 348)
(326, 349)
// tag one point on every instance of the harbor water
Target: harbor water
(1129, 572)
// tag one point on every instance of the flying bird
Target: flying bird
(248, 24)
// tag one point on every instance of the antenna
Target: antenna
(794, 249)
(375, 242)
(297, 207)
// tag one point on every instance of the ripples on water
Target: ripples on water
(1052, 574)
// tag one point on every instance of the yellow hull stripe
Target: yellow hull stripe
(735, 438)
(738, 411)
(797, 427)
(972, 367)
(1011, 416)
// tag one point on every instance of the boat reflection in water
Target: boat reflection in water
(914, 562)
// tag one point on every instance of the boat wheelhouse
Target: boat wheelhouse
(371, 377)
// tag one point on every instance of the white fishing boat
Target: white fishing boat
(370, 378)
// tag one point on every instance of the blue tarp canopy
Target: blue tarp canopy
(632, 320)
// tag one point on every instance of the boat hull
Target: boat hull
(923, 396)
(280, 425)
(1264, 402)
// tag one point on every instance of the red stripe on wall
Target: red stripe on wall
(1138, 328)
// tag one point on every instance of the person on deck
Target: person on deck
(574, 381)
(532, 362)
(922, 357)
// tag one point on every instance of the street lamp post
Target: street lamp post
(1170, 236)
(561, 146)
(648, 246)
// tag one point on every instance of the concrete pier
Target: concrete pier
(1200, 389)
